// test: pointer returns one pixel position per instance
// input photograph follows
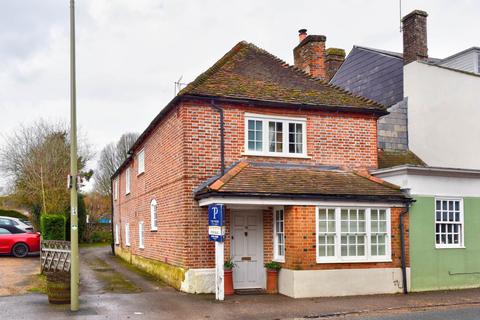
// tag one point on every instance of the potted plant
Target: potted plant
(228, 276)
(272, 276)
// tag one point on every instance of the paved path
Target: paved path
(17, 275)
(134, 297)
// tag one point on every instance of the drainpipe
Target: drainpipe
(222, 136)
(402, 247)
(112, 224)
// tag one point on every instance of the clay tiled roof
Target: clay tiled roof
(264, 179)
(250, 73)
(387, 159)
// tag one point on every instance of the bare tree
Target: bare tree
(111, 157)
(36, 161)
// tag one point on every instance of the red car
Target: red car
(18, 242)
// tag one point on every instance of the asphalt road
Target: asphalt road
(462, 313)
(112, 290)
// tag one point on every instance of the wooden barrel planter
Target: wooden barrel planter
(55, 261)
(58, 287)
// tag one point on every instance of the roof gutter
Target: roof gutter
(306, 106)
(360, 198)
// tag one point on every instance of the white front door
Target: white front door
(247, 249)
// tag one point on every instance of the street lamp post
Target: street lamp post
(74, 260)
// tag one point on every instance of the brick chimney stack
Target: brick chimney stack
(309, 55)
(333, 61)
(415, 36)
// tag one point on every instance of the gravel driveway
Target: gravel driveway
(18, 275)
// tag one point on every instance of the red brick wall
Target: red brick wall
(163, 180)
(184, 151)
(300, 241)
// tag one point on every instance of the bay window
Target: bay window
(353, 234)
(275, 136)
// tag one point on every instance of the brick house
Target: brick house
(287, 154)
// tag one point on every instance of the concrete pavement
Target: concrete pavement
(153, 300)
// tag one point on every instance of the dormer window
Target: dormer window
(275, 136)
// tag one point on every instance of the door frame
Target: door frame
(259, 211)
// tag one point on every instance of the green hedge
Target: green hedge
(101, 236)
(53, 226)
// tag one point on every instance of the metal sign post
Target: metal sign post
(216, 232)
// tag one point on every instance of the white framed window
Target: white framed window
(141, 243)
(153, 215)
(115, 189)
(127, 180)
(449, 225)
(141, 162)
(279, 234)
(275, 136)
(353, 234)
(117, 234)
(127, 234)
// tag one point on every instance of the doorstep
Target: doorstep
(245, 292)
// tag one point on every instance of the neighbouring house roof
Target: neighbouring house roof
(300, 181)
(387, 158)
(248, 72)
(372, 73)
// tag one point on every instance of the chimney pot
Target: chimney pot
(415, 36)
(302, 34)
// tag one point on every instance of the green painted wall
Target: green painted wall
(431, 268)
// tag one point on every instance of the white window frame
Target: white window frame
(128, 178)
(141, 236)
(337, 258)
(153, 215)
(115, 189)
(461, 244)
(127, 234)
(265, 136)
(141, 162)
(117, 234)
(276, 256)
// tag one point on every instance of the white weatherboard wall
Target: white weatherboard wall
(340, 282)
(443, 115)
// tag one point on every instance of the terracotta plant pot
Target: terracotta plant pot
(228, 282)
(272, 281)
(58, 287)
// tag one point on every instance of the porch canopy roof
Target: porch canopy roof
(268, 180)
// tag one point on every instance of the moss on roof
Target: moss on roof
(248, 72)
(387, 159)
(335, 51)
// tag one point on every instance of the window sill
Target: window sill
(141, 248)
(141, 173)
(449, 247)
(319, 261)
(153, 230)
(294, 156)
(127, 193)
(279, 260)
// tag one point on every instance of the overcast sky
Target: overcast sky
(130, 52)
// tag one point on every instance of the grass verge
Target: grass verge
(39, 284)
